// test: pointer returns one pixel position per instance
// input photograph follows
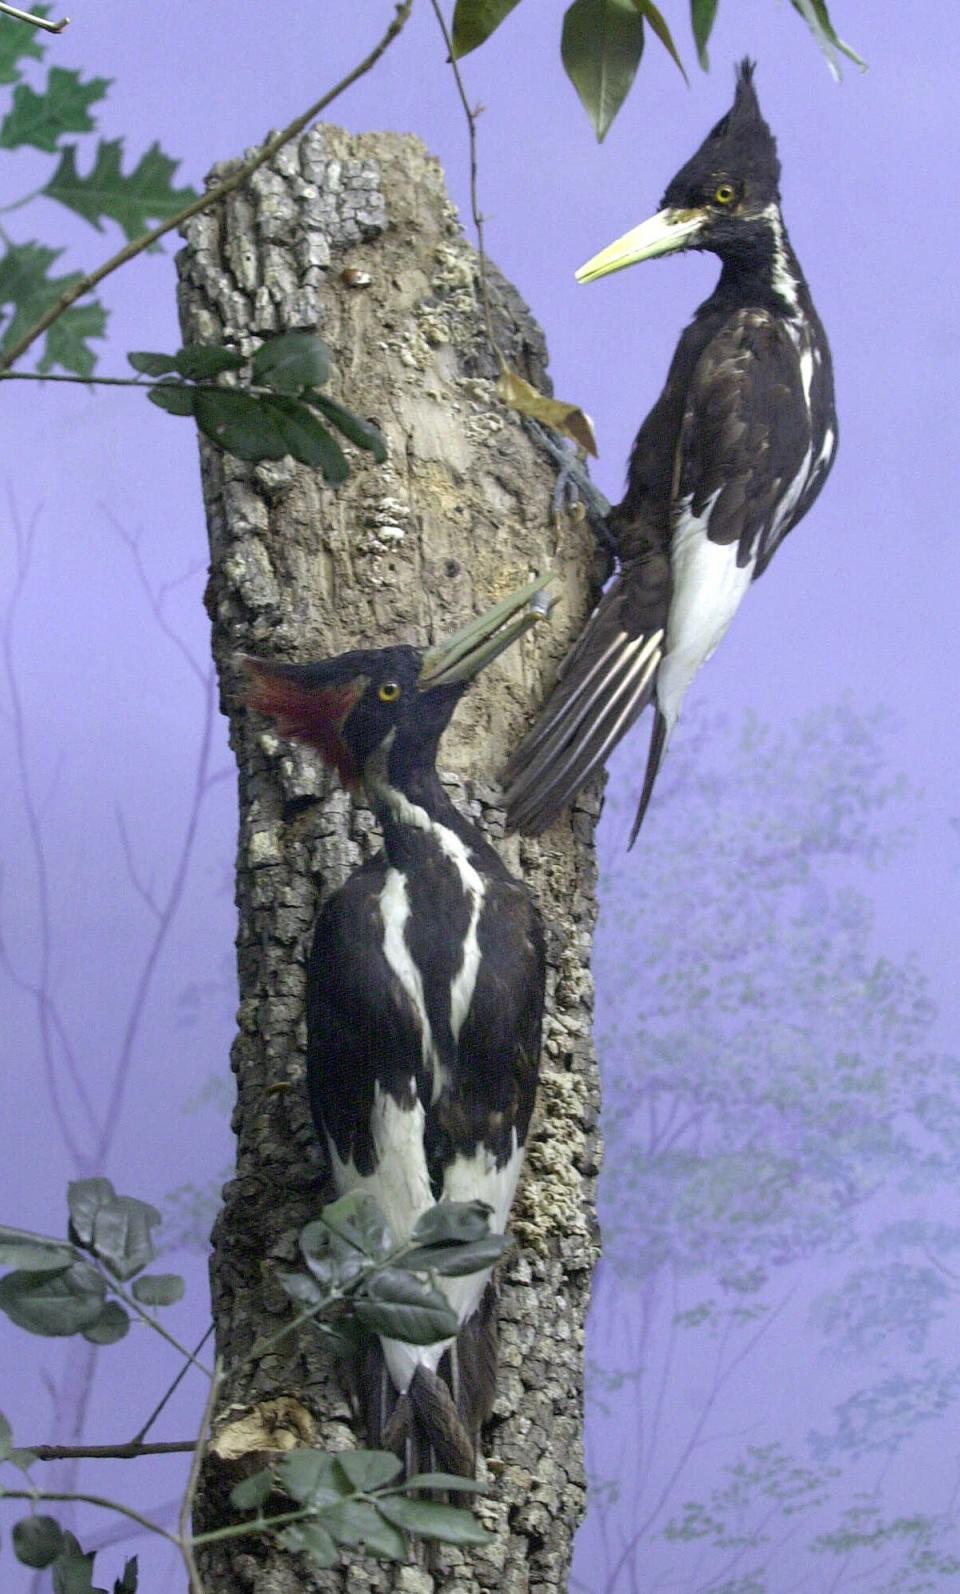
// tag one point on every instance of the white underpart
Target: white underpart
(708, 586)
(400, 1185)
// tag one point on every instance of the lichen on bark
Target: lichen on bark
(406, 551)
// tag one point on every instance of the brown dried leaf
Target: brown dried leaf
(280, 1424)
(569, 419)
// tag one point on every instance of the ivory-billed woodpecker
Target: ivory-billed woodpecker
(730, 458)
(424, 1002)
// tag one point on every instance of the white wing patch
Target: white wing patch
(708, 586)
(395, 911)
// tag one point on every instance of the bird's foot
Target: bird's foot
(573, 485)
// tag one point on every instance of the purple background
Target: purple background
(860, 605)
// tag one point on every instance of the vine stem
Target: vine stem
(213, 195)
(33, 1495)
(475, 211)
(185, 1538)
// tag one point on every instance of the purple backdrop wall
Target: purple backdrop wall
(861, 602)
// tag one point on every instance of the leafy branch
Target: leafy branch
(358, 1280)
(602, 42)
(86, 283)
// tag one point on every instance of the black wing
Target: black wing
(744, 454)
(362, 1030)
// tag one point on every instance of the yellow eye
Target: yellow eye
(725, 194)
(388, 692)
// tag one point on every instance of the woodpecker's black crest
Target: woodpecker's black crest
(424, 1003)
(730, 458)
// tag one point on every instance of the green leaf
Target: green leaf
(26, 287)
(451, 1481)
(368, 1469)
(37, 1540)
(453, 1222)
(20, 1248)
(54, 1304)
(239, 422)
(309, 1538)
(352, 1521)
(475, 20)
(311, 1476)
(302, 1289)
(455, 1261)
(292, 361)
(601, 46)
(112, 1325)
(6, 1437)
(250, 1493)
(66, 340)
(135, 201)
(85, 1197)
(657, 21)
(817, 18)
(158, 1289)
(306, 439)
(41, 119)
(24, 1459)
(702, 14)
(177, 398)
(127, 1584)
(384, 1540)
(363, 433)
(357, 1219)
(405, 1309)
(198, 361)
(121, 1235)
(152, 364)
(73, 1570)
(19, 43)
(431, 1520)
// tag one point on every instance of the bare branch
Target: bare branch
(141, 1433)
(128, 1452)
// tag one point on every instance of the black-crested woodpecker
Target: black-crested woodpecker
(730, 458)
(424, 1002)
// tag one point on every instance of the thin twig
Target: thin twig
(211, 197)
(33, 20)
(84, 381)
(158, 1328)
(186, 1508)
(34, 1495)
(127, 1452)
(142, 1432)
(474, 199)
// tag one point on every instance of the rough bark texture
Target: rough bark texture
(460, 514)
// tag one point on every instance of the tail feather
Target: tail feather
(434, 1426)
(606, 683)
(658, 746)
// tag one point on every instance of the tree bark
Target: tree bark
(407, 551)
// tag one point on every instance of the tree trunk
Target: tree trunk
(459, 515)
